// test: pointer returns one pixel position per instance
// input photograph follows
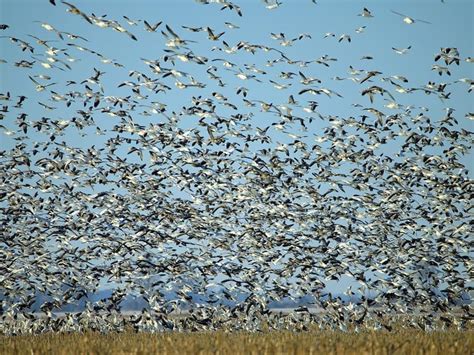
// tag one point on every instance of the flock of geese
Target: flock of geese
(212, 211)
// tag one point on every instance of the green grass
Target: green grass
(314, 342)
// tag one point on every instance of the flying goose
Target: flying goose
(366, 13)
(401, 50)
(231, 25)
(152, 28)
(409, 20)
(346, 37)
(74, 10)
(40, 87)
(130, 21)
(212, 36)
(369, 75)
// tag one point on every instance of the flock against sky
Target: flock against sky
(235, 165)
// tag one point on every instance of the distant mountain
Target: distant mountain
(136, 302)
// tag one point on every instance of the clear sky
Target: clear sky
(451, 26)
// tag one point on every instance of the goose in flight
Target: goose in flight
(316, 91)
(73, 36)
(151, 28)
(40, 87)
(280, 86)
(212, 36)
(410, 20)
(173, 39)
(233, 7)
(308, 80)
(449, 55)
(366, 13)
(373, 90)
(370, 74)
(271, 6)
(40, 41)
(49, 27)
(401, 50)
(346, 37)
(130, 21)
(231, 25)
(22, 44)
(440, 69)
(117, 27)
(194, 29)
(74, 10)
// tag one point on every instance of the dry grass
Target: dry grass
(315, 342)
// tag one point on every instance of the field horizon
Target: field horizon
(401, 341)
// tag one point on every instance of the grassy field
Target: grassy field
(315, 342)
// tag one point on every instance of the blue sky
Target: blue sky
(451, 26)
